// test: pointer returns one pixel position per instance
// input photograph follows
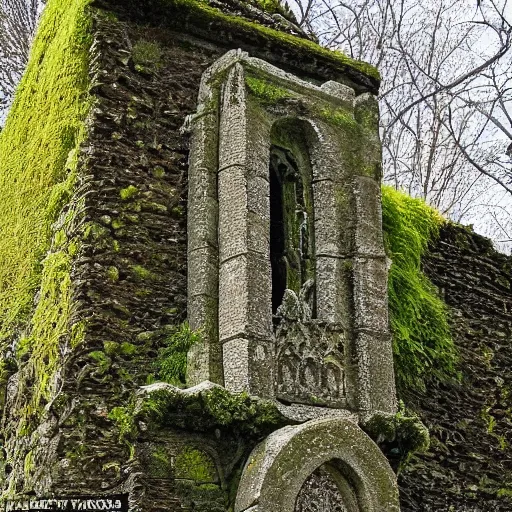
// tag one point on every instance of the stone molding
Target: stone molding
(279, 466)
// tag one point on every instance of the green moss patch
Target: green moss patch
(213, 407)
(38, 167)
(128, 192)
(194, 464)
(422, 343)
(266, 91)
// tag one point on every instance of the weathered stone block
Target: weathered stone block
(333, 290)
(339, 91)
(259, 322)
(248, 366)
(370, 293)
(234, 290)
(258, 234)
(375, 387)
(204, 143)
(233, 222)
(368, 233)
(202, 278)
(243, 130)
(202, 223)
(258, 192)
(204, 362)
(244, 284)
(325, 154)
(334, 218)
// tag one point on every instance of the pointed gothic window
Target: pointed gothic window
(291, 225)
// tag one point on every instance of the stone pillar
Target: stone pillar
(204, 358)
(333, 232)
(245, 316)
(373, 347)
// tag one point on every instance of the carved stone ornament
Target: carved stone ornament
(310, 355)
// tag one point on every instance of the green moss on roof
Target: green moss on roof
(270, 6)
(422, 343)
(38, 165)
(200, 10)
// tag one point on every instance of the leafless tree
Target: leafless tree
(18, 20)
(446, 97)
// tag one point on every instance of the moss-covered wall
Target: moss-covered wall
(423, 345)
(41, 218)
(94, 229)
(469, 464)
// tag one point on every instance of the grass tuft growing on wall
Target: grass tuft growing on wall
(38, 166)
(422, 343)
(171, 364)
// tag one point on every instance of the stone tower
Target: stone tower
(227, 175)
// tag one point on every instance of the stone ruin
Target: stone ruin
(286, 280)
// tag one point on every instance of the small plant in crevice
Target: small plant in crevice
(422, 343)
(147, 55)
(171, 365)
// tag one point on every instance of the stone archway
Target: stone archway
(323, 465)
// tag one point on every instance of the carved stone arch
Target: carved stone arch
(344, 458)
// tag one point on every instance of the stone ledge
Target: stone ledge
(205, 407)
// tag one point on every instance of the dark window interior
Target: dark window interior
(290, 226)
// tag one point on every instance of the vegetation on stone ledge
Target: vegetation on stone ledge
(422, 343)
(214, 407)
(401, 435)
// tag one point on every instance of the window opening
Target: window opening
(290, 226)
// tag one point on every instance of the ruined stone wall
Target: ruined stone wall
(129, 276)
(129, 287)
(468, 467)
